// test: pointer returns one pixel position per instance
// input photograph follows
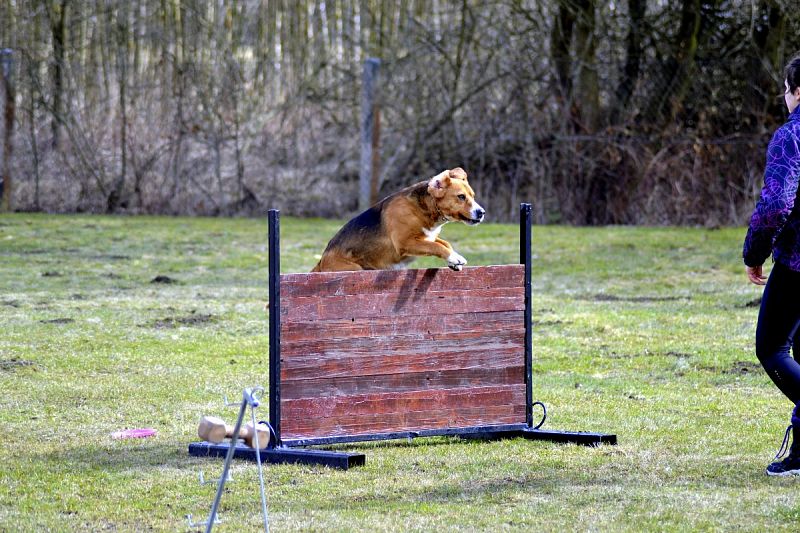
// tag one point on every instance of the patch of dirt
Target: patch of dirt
(752, 303)
(51, 274)
(191, 320)
(617, 355)
(34, 252)
(622, 355)
(678, 354)
(602, 297)
(14, 363)
(163, 279)
(547, 322)
(743, 368)
(58, 321)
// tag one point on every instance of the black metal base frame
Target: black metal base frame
(281, 454)
(505, 431)
(294, 451)
(566, 437)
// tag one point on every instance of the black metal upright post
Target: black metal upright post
(525, 259)
(275, 324)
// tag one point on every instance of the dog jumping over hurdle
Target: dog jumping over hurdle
(405, 225)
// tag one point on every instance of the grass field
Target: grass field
(643, 332)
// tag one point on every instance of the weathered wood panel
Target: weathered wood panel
(444, 359)
(323, 349)
(388, 351)
(400, 326)
(356, 384)
(399, 422)
(313, 308)
(382, 413)
(401, 281)
(406, 402)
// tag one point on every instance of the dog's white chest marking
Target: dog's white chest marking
(433, 233)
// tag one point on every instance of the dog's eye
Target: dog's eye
(462, 197)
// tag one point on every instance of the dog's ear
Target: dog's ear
(458, 174)
(438, 184)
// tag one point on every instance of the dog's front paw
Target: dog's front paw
(456, 261)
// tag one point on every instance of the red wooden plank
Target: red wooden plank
(475, 340)
(378, 364)
(405, 281)
(310, 309)
(402, 402)
(398, 422)
(411, 381)
(413, 325)
(392, 412)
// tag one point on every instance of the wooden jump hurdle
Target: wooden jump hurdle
(375, 355)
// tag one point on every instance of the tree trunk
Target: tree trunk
(587, 91)
(103, 25)
(764, 62)
(9, 104)
(179, 90)
(116, 196)
(560, 43)
(33, 68)
(673, 77)
(58, 27)
(633, 58)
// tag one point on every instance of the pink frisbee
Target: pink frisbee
(140, 433)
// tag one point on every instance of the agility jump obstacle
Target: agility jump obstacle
(397, 354)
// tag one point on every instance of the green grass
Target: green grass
(644, 332)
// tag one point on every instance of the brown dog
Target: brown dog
(406, 224)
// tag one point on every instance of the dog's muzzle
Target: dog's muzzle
(477, 216)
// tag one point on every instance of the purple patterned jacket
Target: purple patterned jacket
(775, 225)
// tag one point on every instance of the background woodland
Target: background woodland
(629, 112)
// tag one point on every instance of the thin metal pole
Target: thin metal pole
(250, 395)
(221, 485)
(275, 325)
(525, 259)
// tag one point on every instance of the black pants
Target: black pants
(778, 333)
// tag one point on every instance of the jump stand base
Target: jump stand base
(297, 454)
(573, 437)
(341, 460)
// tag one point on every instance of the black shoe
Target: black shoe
(789, 466)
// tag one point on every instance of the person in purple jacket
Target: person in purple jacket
(775, 229)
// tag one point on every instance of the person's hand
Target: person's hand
(756, 275)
